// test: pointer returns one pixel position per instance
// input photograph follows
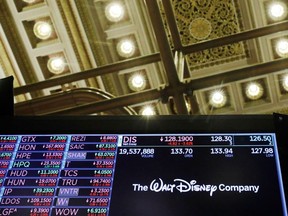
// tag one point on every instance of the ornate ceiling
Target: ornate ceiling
(84, 57)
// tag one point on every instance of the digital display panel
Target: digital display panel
(143, 174)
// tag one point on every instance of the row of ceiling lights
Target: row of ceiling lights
(115, 12)
(277, 11)
(126, 48)
(218, 98)
(43, 30)
(253, 91)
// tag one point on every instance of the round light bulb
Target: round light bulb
(254, 91)
(217, 98)
(29, 1)
(114, 11)
(137, 82)
(126, 48)
(277, 10)
(282, 47)
(148, 111)
(42, 30)
(285, 82)
(56, 65)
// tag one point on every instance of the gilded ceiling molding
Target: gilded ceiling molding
(200, 20)
(74, 34)
(9, 69)
(283, 111)
(6, 64)
(85, 11)
(16, 44)
(76, 37)
(88, 25)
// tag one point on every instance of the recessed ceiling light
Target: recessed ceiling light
(148, 111)
(277, 10)
(282, 47)
(29, 1)
(137, 82)
(42, 30)
(285, 82)
(115, 11)
(254, 91)
(217, 98)
(56, 65)
(126, 48)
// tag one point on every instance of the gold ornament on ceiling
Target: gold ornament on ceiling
(200, 20)
(200, 28)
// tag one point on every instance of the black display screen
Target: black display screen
(143, 174)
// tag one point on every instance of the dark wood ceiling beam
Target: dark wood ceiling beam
(114, 67)
(109, 104)
(172, 25)
(239, 74)
(242, 36)
(166, 55)
(163, 43)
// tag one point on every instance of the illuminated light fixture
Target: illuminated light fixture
(29, 1)
(56, 65)
(148, 111)
(217, 98)
(285, 82)
(137, 82)
(277, 10)
(126, 48)
(43, 30)
(115, 11)
(254, 91)
(282, 47)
